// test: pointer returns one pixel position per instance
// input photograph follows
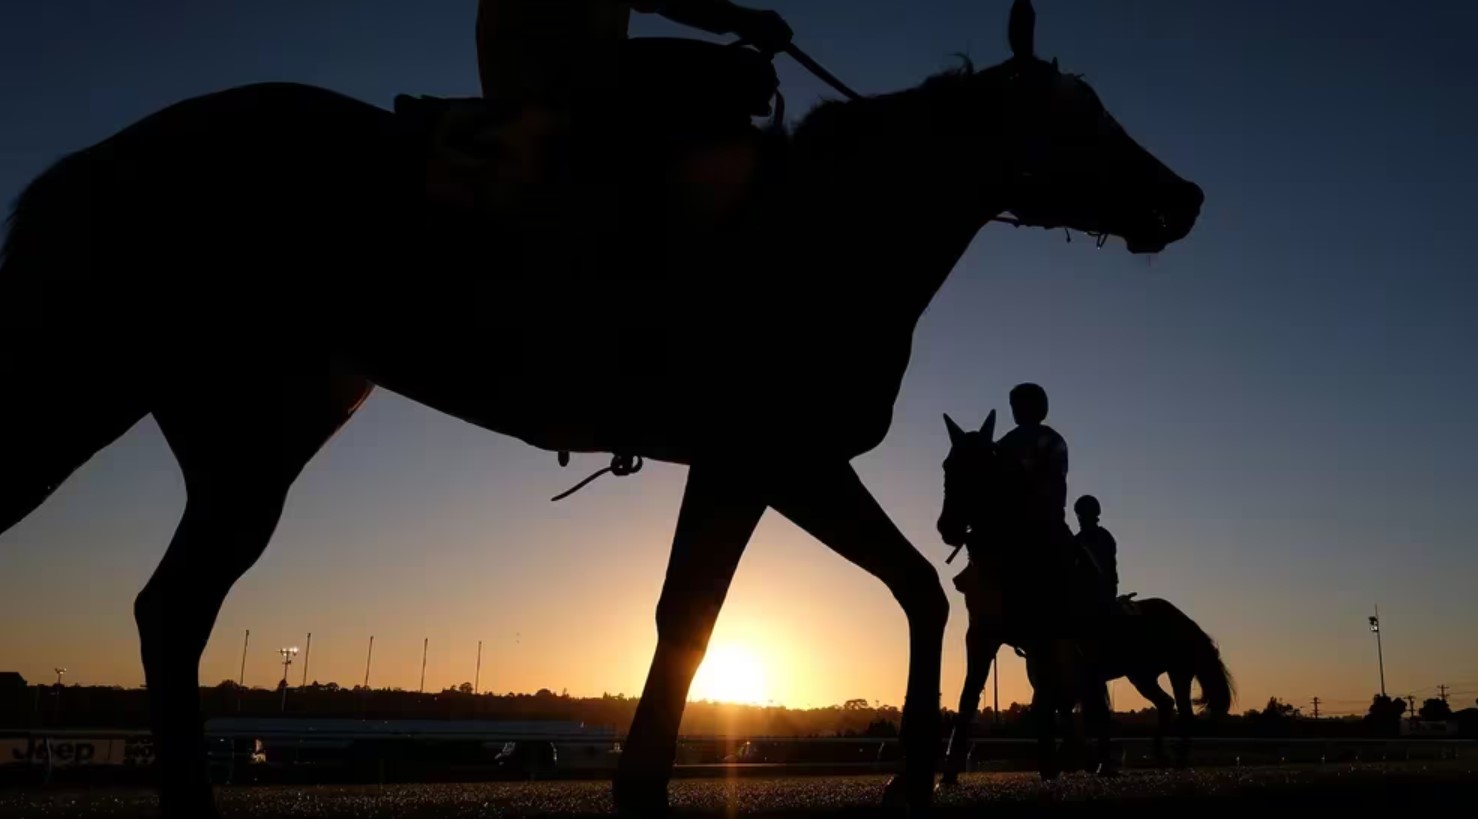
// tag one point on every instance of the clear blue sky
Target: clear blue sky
(1278, 413)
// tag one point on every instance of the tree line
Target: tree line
(116, 707)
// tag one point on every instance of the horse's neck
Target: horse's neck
(883, 227)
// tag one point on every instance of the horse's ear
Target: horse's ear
(956, 435)
(1022, 30)
(988, 429)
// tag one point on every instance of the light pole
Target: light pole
(59, 673)
(995, 673)
(245, 642)
(1379, 653)
(287, 659)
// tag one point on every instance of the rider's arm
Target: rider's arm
(765, 29)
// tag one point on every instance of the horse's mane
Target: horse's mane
(836, 125)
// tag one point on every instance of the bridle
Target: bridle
(821, 73)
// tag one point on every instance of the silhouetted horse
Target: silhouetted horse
(247, 265)
(1042, 603)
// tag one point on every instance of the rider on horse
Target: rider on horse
(1098, 549)
(1044, 560)
(686, 105)
(1039, 450)
(542, 49)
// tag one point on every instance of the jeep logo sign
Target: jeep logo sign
(75, 751)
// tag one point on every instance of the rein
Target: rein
(821, 73)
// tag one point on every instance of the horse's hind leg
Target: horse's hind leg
(1148, 687)
(56, 413)
(832, 505)
(240, 445)
(1185, 707)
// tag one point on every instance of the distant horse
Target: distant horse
(1068, 662)
(247, 265)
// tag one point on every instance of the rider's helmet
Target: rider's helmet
(1087, 507)
(1028, 403)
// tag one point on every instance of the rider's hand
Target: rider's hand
(766, 30)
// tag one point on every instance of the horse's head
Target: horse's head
(970, 470)
(1069, 164)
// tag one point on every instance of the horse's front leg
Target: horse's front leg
(1044, 719)
(981, 645)
(718, 515)
(1098, 717)
(1045, 672)
(830, 503)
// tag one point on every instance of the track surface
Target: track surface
(1356, 790)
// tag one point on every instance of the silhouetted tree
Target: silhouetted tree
(1279, 710)
(1384, 716)
(465, 688)
(1435, 710)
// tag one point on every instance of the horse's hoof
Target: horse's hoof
(912, 793)
(950, 779)
(639, 796)
(195, 804)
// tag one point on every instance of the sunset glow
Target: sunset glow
(730, 673)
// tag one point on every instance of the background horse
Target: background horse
(1146, 639)
(247, 266)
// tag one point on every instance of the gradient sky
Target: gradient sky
(1277, 413)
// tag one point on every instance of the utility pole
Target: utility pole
(1379, 653)
(307, 650)
(1316, 708)
(425, 645)
(241, 681)
(1411, 706)
(1442, 692)
(477, 673)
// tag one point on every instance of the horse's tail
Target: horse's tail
(1217, 687)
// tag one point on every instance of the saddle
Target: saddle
(660, 94)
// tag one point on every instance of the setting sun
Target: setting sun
(730, 673)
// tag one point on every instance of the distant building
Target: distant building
(11, 682)
(1429, 728)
